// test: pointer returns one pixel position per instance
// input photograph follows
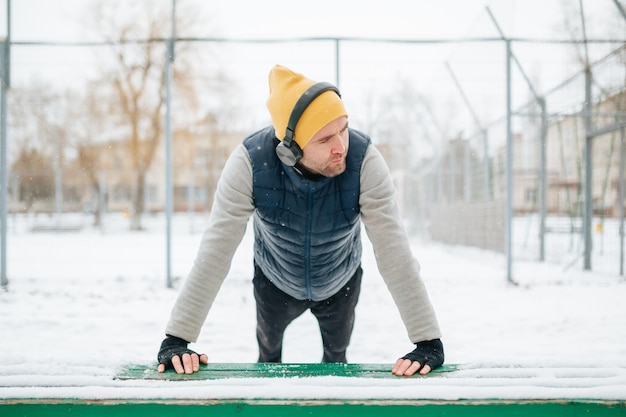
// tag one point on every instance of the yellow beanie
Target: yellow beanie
(286, 87)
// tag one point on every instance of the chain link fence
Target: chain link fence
(437, 110)
(552, 135)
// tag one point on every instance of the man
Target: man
(308, 180)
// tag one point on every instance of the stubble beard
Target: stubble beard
(334, 168)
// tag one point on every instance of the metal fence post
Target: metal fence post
(5, 81)
(467, 172)
(169, 58)
(622, 185)
(337, 62)
(508, 214)
(588, 186)
(4, 281)
(543, 183)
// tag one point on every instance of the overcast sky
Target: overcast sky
(60, 19)
(64, 21)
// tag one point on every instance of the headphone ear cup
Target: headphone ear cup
(289, 155)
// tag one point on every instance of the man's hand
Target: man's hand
(175, 354)
(427, 356)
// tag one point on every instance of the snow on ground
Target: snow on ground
(82, 305)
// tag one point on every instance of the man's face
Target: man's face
(326, 152)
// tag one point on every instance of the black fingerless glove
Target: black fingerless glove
(170, 347)
(428, 353)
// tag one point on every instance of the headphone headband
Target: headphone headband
(303, 102)
(288, 150)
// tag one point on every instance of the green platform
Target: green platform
(271, 370)
(295, 390)
(315, 408)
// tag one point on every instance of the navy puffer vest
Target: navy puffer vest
(307, 232)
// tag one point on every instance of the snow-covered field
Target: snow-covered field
(81, 305)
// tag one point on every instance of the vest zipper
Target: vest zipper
(307, 242)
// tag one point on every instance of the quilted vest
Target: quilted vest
(307, 231)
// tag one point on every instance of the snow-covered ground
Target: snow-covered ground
(80, 306)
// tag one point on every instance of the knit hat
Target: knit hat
(286, 87)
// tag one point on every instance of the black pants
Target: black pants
(275, 310)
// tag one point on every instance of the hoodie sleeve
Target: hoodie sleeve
(232, 208)
(396, 263)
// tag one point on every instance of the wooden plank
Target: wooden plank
(269, 370)
(375, 381)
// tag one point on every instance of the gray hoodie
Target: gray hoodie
(229, 217)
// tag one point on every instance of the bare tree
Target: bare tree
(136, 31)
(92, 118)
(41, 126)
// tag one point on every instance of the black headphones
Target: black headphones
(288, 151)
